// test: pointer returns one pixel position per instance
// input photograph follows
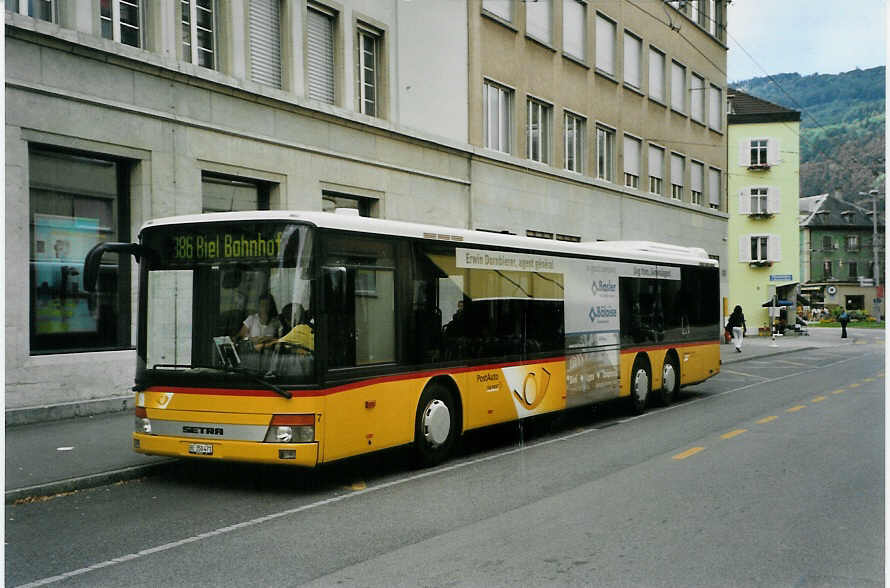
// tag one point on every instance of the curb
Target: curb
(58, 412)
(89, 481)
(774, 354)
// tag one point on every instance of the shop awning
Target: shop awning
(811, 288)
(769, 303)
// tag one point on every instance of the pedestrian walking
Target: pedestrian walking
(737, 328)
(844, 319)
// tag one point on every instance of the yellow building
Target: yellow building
(763, 192)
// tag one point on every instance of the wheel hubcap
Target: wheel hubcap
(670, 378)
(436, 423)
(641, 385)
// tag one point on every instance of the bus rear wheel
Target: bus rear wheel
(670, 380)
(436, 425)
(640, 385)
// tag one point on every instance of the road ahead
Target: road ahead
(771, 474)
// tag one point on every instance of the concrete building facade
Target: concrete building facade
(764, 188)
(477, 114)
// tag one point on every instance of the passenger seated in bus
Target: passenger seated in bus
(262, 326)
(297, 328)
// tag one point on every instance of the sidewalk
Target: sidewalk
(62, 456)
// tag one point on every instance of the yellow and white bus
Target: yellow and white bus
(307, 337)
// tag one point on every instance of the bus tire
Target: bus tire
(436, 426)
(640, 384)
(670, 379)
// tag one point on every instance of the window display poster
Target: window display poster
(60, 246)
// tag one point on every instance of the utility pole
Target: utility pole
(874, 237)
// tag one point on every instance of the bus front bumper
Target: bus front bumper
(295, 454)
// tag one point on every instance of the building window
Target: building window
(656, 74)
(759, 248)
(198, 26)
(121, 21)
(265, 42)
(827, 243)
(368, 68)
(633, 49)
(715, 195)
(538, 129)
(758, 153)
(497, 110)
(678, 87)
(77, 201)
(826, 269)
(539, 20)
(39, 9)
(696, 182)
(759, 201)
(656, 169)
(500, 8)
(223, 193)
(632, 147)
(715, 111)
(574, 142)
(852, 242)
(853, 268)
(320, 53)
(605, 154)
(605, 44)
(678, 168)
(331, 201)
(697, 92)
(574, 29)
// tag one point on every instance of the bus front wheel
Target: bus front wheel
(640, 385)
(436, 425)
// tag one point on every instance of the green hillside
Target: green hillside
(842, 126)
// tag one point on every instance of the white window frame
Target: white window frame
(504, 116)
(193, 46)
(633, 49)
(606, 42)
(631, 179)
(22, 8)
(855, 239)
(539, 20)
(656, 172)
(116, 24)
(570, 24)
(696, 196)
(657, 82)
(369, 73)
(605, 153)
(760, 248)
(759, 199)
(574, 141)
(543, 111)
(677, 179)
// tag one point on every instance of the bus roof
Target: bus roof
(646, 251)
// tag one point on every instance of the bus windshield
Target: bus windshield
(231, 302)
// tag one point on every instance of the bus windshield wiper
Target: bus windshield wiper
(230, 370)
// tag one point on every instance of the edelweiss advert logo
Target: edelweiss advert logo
(601, 311)
(598, 286)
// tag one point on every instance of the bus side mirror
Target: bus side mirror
(94, 259)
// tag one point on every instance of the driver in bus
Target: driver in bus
(297, 328)
(262, 326)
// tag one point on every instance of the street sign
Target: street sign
(780, 277)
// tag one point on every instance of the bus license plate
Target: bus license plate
(200, 448)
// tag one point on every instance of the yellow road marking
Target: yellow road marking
(868, 379)
(839, 391)
(766, 420)
(796, 408)
(358, 486)
(819, 398)
(688, 453)
(854, 385)
(732, 434)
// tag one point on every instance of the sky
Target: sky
(804, 36)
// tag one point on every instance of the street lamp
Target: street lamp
(874, 234)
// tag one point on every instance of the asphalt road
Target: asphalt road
(771, 474)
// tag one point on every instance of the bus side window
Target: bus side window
(338, 295)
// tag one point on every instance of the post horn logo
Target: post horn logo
(534, 389)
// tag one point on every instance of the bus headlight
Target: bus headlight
(142, 423)
(291, 428)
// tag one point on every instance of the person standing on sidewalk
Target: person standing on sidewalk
(843, 320)
(736, 325)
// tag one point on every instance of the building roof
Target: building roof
(745, 108)
(829, 211)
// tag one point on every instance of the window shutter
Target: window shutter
(714, 187)
(745, 248)
(605, 45)
(678, 87)
(538, 21)
(715, 111)
(656, 162)
(677, 169)
(656, 74)
(772, 151)
(631, 156)
(697, 92)
(745, 152)
(773, 200)
(745, 201)
(320, 55)
(265, 42)
(774, 248)
(632, 49)
(697, 179)
(574, 29)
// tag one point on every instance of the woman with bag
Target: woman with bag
(736, 327)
